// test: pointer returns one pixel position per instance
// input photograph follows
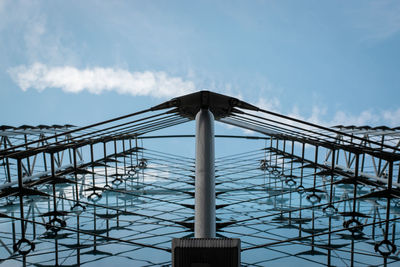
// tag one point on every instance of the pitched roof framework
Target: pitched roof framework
(309, 194)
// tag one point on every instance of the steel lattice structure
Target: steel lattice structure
(309, 195)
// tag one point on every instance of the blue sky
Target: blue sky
(330, 62)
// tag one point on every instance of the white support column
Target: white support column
(204, 223)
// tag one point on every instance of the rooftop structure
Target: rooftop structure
(96, 194)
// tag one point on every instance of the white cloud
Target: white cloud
(393, 117)
(159, 84)
(320, 115)
(30, 32)
(2, 5)
(366, 117)
(270, 104)
(316, 114)
(98, 80)
(379, 19)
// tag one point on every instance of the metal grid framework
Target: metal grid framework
(95, 194)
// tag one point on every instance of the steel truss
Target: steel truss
(310, 194)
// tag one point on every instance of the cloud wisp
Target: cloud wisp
(319, 116)
(98, 80)
(379, 20)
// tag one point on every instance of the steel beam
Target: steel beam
(205, 176)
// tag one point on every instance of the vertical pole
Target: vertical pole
(7, 162)
(27, 158)
(105, 165)
(21, 196)
(205, 176)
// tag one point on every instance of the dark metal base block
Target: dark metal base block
(205, 252)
